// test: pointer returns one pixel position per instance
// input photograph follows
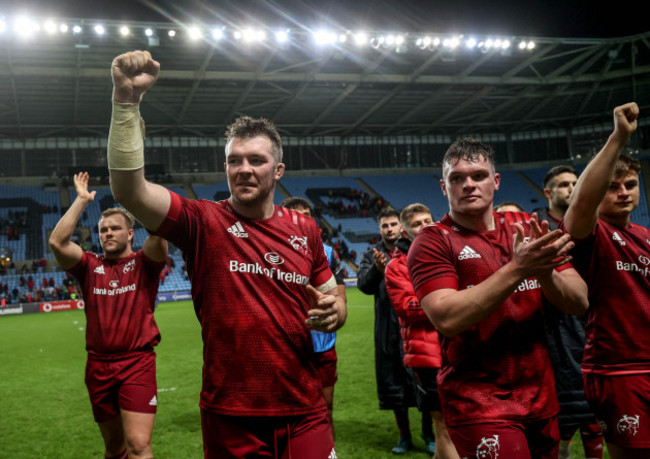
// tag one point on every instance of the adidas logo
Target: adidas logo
(100, 269)
(237, 230)
(332, 455)
(467, 252)
(617, 238)
(153, 401)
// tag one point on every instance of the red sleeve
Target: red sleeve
(80, 269)
(430, 262)
(151, 265)
(401, 293)
(180, 226)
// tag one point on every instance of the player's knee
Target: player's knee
(114, 446)
(139, 445)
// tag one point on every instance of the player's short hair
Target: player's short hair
(387, 212)
(508, 203)
(626, 164)
(295, 202)
(557, 170)
(468, 149)
(130, 220)
(412, 209)
(246, 127)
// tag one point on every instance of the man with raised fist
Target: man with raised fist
(260, 282)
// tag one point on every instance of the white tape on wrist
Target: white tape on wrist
(125, 138)
(327, 286)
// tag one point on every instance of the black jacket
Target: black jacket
(566, 342)
(395, 386)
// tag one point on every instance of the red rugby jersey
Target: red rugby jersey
(120, 298)
(498, 369)
(615, 263)
(248, 286)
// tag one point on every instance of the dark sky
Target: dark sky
(542, 18)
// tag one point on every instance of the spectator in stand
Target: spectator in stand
(613, 254)
(566, 335)
(420, 338)
(395, 386)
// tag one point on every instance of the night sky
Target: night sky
(543, 18)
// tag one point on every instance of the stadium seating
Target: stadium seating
(43, 209)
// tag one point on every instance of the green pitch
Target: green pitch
(45, 413)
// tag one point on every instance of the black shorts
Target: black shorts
(427, 389)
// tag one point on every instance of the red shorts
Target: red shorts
(326, 367)
(306, 437)
(539, 439)
(127, 383)
(622, 407)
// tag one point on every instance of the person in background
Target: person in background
(508, 206)
(119, 291)
(395, 387)
(566, 335)
(420, 338)
(324, 343)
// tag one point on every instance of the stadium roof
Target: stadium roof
(59, 85)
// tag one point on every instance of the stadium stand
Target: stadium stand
(341, 204)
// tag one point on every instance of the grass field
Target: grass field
(45, 413)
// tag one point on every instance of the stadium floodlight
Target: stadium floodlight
(77, 29)
(171, 33)
(99, 29)
(63, 27)
(451, 43)
(251, 35)
(3, 25)
(424, 42)
(194, 33)
(217, 33)
(323, 37)
(526, 45)
(148, 32)
(25, 27)
(360, 38)
(377, 41)
(49, 26)
(282, 36)
(124, 31)
(343, 38)
(471, 43)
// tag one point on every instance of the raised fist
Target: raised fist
(133, 73)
